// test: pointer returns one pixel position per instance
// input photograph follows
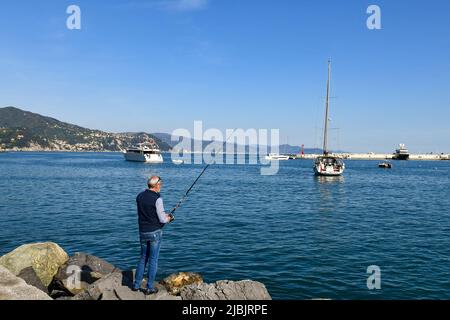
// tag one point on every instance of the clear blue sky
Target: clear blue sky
(143, 65)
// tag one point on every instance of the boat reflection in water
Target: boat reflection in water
(329, 179)
(330, 190)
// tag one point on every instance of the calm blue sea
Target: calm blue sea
(304, 237)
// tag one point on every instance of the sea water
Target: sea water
(302, 236)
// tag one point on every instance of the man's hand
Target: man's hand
(171, 217)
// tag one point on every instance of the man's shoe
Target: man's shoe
(134, 289)
(148, 292)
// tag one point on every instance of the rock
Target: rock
(31, 278)
(60, 295)
(117, 286)
(176, 281)
(103, 289)
(80, 271)
(108, 294)
(91, 263)
(63, 298)
(125, 293)
(15, 288)
(82, 296)
(162, 294)
(45, 258)
(226, 290)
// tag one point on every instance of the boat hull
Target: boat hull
(147, 158)
(385, 166)
(328, 173)
(277, 158)
(401, 157)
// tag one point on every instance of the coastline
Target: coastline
(346, 156)
(381, 156)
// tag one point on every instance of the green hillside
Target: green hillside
(23, 130)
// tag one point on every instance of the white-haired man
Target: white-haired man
(152, 218)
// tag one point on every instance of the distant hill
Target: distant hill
(166, 138)
(27, 131)
(283, 149)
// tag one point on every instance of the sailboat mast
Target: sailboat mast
(325, 134)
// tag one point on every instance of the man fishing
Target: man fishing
(152, 218)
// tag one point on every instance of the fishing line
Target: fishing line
(199, 176)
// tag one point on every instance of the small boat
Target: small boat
(328, 165)
(177, 161)
(148, 152)
(385, 165)
(276, 157)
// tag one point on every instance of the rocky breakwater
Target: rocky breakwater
(44, 271)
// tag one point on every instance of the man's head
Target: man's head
(154, 183)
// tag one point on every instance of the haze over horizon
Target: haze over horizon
(156, 66)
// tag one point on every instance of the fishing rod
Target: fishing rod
(196, 180)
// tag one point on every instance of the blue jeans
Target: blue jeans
(150, 245)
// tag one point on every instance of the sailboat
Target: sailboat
(327, 164)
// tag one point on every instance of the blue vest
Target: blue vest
(146, 206)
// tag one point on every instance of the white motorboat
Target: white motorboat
(276, 157)
(328, 165)
(177, 161)
(147, 152)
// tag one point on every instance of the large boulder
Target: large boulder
(15, 288)
(31, 278)
(45, 258)
(175, 282)
(226, 290)
(80, 271)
